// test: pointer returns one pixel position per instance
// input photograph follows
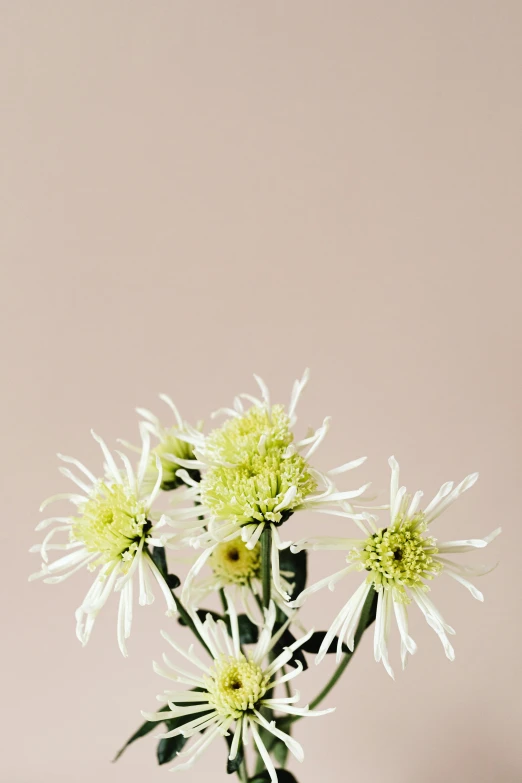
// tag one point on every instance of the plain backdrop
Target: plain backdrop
(195, 191)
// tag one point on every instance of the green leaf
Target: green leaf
(313, 644)
(173, 581)
(368, 615)
(248, 632)
(280, 752)
(143, 730)
(234, 764)
(202, 614)
(160, 559)
(283, 776)
(169, 747)
(150, 725)
(295, 568)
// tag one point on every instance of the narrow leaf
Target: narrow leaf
(202, 614)
(313, 644)
(248, 632)
(143, 730)
(169, 747)
(283, 776)
(294, 568)
(285, 641)
(280, 752)
(150, 725)
(173, 581)
(234, 764)
(160, 559)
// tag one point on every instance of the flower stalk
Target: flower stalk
(266, 550)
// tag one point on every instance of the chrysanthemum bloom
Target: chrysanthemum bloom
(232, 691)
(398, 561)
(255, 475)
(172, 451)
(111, 531)
(236, 569)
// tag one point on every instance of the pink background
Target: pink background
(195, 191)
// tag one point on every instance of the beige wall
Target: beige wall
(193, 191)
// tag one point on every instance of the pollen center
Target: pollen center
(111, 523)
(399, 556)
(254, 465)
(233, 563)
(235, 686)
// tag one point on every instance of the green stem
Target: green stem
(242, 772)
(223, 600)
(266, 548)
(330, 684)
(367, 618)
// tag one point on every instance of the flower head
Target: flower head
(110, 523)
(398, 562)
(255, 474)
(235, 568)
(173, 451)
(234, 693)
(236, 685)
(233, 563)
(110, 530)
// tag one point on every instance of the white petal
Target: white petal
(394, 481)
(467, 545)
(464, 485)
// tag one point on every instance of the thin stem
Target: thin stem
(331, 682)
(366, 619)
(266, 550)
(326, 690)
(223, 600)
(242, 772)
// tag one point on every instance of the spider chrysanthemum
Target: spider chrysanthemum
(233, 563)
(110, 532)
(399, 556)
(236, 685)
(172, 450)
(234, 567)
(255, 474)
(234, 693)
(399, 562)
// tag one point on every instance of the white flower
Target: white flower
(232, 691)
(111, 530)
(398, 559)
(235, 568)
(256, 475)
(172, 450)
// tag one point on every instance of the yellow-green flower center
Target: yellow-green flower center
(173, 447)
(260, 468)
(111, 523)
(236, 685)
(238, 439)
(233, 563)
(399, 556)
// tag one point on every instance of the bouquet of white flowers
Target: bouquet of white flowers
(231, 494)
